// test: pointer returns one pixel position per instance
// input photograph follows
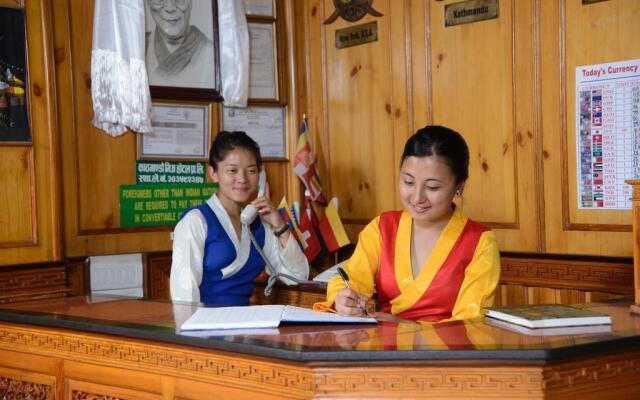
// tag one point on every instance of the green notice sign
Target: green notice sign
(159, 205)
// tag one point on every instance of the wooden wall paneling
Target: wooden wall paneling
(364, 104)
(18, 218)
(94, 164)
(311, 13)
(30, 222)
(419, 64)
(292, 52)
(483, 85)
(573, 35)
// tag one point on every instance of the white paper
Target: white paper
(327, 274)
(258, 7)
(122, 271)
(607, 133)
(265, 316)
(234, 317)
(179, 131)
(265, 125)
(299, 314)
(262, 67)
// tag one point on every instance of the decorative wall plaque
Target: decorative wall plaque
(355, 35)
(470, 11)
(352, 10)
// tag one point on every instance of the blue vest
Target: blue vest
(219, 252)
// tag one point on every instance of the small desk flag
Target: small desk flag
(285, 212)
(309, 235)
(331, 228)
(304, 166)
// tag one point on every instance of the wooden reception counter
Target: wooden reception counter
(115, 348)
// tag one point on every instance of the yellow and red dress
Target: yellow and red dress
(458, 279)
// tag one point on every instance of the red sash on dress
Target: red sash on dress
(438, 300)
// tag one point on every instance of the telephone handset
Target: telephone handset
(250, 212)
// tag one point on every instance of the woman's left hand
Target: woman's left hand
(267, 210)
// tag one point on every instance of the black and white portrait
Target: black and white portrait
(181, 43)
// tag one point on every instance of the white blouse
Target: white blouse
(188, 252)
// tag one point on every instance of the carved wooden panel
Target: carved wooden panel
(158, 272)
(134, 369)
(82, 390)
(597, 378)
(239, 371)
(445, 382)
(76, 395)
(615, 277)
(18, 384)
(20, 284)
(15, 389)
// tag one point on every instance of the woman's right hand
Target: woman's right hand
(350, 303)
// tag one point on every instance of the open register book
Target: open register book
(548, 315)
(267, 316)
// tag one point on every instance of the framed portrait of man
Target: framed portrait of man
(182, 53)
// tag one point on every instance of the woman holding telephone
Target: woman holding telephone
(428, 262)
(214, 260)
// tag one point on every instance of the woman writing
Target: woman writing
(428, 262)
(214, 261)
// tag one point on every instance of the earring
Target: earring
(458, 193)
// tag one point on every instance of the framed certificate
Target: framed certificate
(180, 132)
(259, 8)
(263, 63)
(264, 124)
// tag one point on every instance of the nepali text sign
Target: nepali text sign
(160, 172)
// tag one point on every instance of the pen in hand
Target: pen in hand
(345, 279)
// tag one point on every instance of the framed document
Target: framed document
(182, 49)
(258, 8)
(264, 124)
(14, 84)
(263, 67)
(180, 132)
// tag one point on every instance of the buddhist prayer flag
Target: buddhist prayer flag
(309, 235)
(331, 228)
(285, 211)
(304, 166)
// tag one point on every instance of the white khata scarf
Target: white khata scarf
(234, 53)
(119, 85)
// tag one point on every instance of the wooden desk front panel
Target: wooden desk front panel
(62, 364)
(523, 281)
